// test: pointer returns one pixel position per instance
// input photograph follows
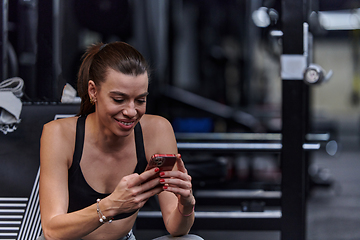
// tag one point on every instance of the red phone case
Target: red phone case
(165, 162)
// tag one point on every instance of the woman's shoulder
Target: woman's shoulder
(158, 135)
(61, 123)
(61, 127)
(58, 141)
(154, 123)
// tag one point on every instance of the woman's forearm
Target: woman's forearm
(180, 220)
(73, 225)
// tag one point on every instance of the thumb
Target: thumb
(180, 164)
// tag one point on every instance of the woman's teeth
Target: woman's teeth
(126, 123)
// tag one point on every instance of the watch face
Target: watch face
(312, 76)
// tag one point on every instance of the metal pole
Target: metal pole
(4, 38)
(27, 44)
(49, 79)
(294, 117)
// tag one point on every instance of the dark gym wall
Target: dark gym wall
(20, 150)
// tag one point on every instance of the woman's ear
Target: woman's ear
(92, 90)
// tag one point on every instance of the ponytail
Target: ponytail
(86, 106)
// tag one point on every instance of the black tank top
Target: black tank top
(81, 195)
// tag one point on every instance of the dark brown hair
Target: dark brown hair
(98, 58)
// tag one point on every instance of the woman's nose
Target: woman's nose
(130, 110)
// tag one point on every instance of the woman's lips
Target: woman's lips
(125, 124)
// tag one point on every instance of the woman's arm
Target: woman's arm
(56, 148)
(56, 152)
(176, 201)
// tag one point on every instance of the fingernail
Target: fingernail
(165, 187)
(157, 169)
(162, 174)
(179, 155)
(162, 180)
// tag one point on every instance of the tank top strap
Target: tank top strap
(140, 149)
(79, 144)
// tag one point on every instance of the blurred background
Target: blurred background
(215, 69)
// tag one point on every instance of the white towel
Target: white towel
(10, 104)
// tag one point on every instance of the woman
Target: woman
(92, 182)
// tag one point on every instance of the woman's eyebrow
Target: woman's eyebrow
(143, 95)
(126, 95)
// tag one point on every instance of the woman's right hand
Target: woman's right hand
(133, 191)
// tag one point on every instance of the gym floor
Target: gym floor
(332, 213)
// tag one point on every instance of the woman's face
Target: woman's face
(121, 101)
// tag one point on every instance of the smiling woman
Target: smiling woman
(122, 98)
(101, 58)
(93, 165)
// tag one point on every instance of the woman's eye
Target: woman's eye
(141, 100)
(118, 100)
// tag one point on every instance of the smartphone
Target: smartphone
(165, 162)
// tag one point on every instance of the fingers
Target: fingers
(177, 182)
(143, 183)
(178, 191)
(176, 174)
(181, 188)
(176, 185)
(134, 190)
(136, 179)
(135, 185)
(180, 164)
(144, 191)
(142, 197)
(179, 178)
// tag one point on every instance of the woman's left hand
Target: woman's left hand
(178, 182)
